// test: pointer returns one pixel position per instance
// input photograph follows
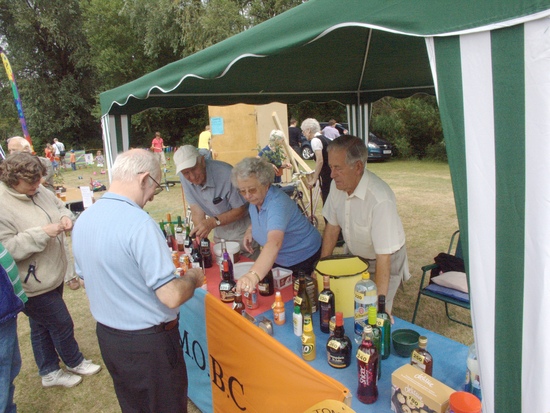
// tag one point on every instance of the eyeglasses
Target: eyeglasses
(159, 187)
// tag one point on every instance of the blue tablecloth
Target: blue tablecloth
(449, 358)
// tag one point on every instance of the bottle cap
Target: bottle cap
(423, 341)
(296, 309)
(371, 312)
(339, 318)
(464, 402)
(366, 275)
(367, 329)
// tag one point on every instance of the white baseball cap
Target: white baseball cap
(186, 157)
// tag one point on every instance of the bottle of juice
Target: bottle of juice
(279, 309)
(308, 340)
(365, 296)
(339, 345)
(327, 307)
(421, 358)
(367, 369)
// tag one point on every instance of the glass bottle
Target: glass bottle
(196, 256)
(365, 295)
(170, 240)
(297, 321)
(187, 241)
(278, 309)
(169, 222)
(302, 297)
(339, 345)
(473, 380)
(206, 252)
(421, 358)
(383, 321)
(309, 351)
(226, 286)
(226, 257)
(265, 286)
(180, 234)
(238, 305)
(326, 305)
(376, 336)
(367, 368)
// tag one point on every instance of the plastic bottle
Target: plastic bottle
(297, 321)
(463, 402)
(339, 345)
(279, 309)
(473, 381)
(365, 296)
(367, 369)
(383, 321)
(309, 350)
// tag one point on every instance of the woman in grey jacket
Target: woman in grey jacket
(32, 222)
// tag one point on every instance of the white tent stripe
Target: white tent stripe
(475, 50)
(536, 334)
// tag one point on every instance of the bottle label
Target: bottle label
(418, 359)
(362, 356)
(324, 298)
(298, 300)
(226, 287)
(359, 296)
(380, 322)
(334, 344)
(279, 317)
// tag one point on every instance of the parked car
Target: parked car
(379, 149)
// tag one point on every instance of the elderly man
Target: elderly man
(20, 144)
(133, 290)
(215, 203)
(364, 207)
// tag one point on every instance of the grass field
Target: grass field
(426, 205)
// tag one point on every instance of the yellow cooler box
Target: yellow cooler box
(344, 272)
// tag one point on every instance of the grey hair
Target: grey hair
(311, 124)
(276, 136)
(257, 168)
(355, 148)
(135, 161)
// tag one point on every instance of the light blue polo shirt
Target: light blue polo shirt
(279, 212)
(122, 255)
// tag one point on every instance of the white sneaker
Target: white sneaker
(86, 368)
(60, 378)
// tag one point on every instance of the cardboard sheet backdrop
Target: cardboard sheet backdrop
(489, 65)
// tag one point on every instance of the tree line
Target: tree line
(64, 53)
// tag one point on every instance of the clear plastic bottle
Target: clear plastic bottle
(365, 296)
(473, 381)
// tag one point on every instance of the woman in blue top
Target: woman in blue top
(287, 237)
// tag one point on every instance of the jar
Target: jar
(463, 402)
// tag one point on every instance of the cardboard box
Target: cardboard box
(415, 391)
(282, 277)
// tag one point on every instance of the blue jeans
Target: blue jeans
(52, 332)
(10, 364)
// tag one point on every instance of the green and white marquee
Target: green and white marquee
(488, 62)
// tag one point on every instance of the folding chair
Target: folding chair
(445, 294)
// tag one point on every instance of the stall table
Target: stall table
(208, 371)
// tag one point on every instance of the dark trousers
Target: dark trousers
(148, 370)
(307, 265)
(52, 332)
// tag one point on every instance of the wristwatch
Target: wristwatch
(218, 222)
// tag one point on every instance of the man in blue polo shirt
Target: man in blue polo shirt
(214, 202)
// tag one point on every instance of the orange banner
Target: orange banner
(251, 371)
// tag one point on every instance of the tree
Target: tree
(50, 58)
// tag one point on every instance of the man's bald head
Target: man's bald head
(18, 144)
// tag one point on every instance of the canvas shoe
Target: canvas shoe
(60, 378)
(86, 368)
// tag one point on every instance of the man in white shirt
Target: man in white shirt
(364, 208)
(59, 148)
